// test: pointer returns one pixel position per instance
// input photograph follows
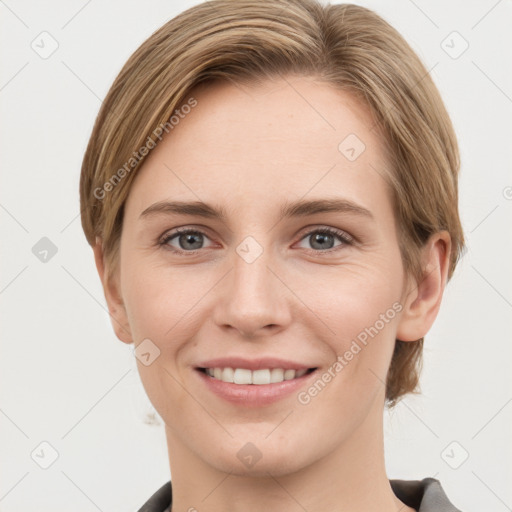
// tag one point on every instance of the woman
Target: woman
(270, 190)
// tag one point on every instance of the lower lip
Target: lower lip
(253, 395)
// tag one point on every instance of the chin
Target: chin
(259, 458)
(276, 465)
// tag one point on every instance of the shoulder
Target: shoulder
(425, 495)
(160, 501)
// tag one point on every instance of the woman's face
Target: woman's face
(265, 286)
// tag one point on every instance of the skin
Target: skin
(251, 149)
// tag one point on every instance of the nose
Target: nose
(252, 299)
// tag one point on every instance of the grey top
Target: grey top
(425, 495)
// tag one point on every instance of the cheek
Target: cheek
(360, 306)
(353, 296)
(160, 299)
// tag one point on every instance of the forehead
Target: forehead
(279, 138)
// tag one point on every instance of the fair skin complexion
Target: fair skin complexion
(250, 150)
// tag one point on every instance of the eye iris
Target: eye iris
(189, 238)
(320, 238)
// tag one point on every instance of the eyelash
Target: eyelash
(342, 236)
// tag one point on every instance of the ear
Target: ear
(423, 299)
(111, 289)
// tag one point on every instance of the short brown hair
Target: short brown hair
(347, 46)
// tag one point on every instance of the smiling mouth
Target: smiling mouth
(260, 377)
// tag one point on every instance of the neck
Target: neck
(352, 477)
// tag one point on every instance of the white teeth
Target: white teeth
(242, 376)
(257, 377)
(289, 374)
(228, 375)
(261, 377)
(276, 375)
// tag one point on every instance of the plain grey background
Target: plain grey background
(65, 379)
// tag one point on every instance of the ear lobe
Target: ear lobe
(422, 300)
(111, 290)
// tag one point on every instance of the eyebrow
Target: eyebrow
(301, 208)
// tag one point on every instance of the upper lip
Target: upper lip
(254, 364)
